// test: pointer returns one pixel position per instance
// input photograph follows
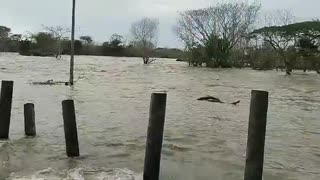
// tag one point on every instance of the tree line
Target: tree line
(54, 41)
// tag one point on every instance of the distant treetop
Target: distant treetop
(301, 29)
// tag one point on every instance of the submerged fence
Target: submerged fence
(255, 142)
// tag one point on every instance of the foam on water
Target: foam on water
(80, 173)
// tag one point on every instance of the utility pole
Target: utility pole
(72, 43)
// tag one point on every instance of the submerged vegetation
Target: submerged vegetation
(226, 35)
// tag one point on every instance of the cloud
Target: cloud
(101, 18)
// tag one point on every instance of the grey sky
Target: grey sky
(101, 18)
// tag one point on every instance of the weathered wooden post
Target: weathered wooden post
(256, 135)
(5, 108)
(70, 128)
(29, 120)
(155, 136)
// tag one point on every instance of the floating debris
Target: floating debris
(50, 82)
(210, 99)
(216, 100)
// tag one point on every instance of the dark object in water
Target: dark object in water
(210, 99)
(236, 103)
(29, 120)
(50, 82)
(70, 128)
(214, 99)
(180, 60)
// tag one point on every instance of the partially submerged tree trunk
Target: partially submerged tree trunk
(287, 63)
(145, 60)
(288, 67)
(144, 33)
(146, 55)
(58, 55)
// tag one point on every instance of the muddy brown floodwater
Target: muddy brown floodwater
(202, 140)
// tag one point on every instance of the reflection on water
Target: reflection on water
(202, 140)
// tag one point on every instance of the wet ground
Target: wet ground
(202, 141)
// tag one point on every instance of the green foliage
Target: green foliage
(86, 39)
(197, 55)
(169, 53)
(77, 47)
(307, 29)
(306, 34)
(4, 39)
(264, 59)
(116, 40)
(4, 32)
(114, 47)
(24, 47)
(217, 52)
(45, 44)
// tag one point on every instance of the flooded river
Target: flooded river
(202, 140)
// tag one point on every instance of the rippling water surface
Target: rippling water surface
(202, 141)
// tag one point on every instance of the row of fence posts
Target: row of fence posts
(255, 143)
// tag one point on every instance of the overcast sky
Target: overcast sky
(101, 18)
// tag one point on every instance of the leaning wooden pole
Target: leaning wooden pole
(72, 42)
(256, 135)
(29, 120)
(70, 128)
(155, 136)
(5, 108)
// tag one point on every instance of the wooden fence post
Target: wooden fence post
(5, 108)
(256, 135)
(29, 120)
(155, 136)
(70, 128)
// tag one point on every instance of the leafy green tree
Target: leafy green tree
(87, 40)
(4, 38)
(12, 42)
(281, 38)
(116, 40)
(114, 47)
(25, 47)
(4, 32)
(45, 44)
(77, 47)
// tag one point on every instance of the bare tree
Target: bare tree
(278, 37)
(278, 17)
(144, 34)
(59, 33)
(217, 28)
